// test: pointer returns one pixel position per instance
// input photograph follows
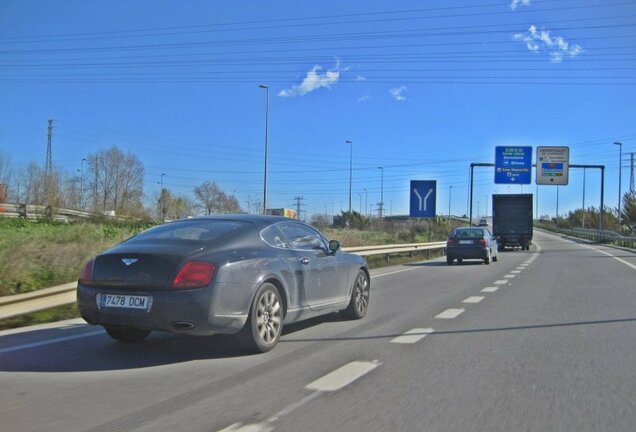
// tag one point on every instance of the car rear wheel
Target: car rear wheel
(487, 259)
(265, 322)
(359, 303)
(449, 260)
(495, 258)
(129, 335)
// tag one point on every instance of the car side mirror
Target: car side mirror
(334, 245)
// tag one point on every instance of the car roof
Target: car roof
(469, 228)
(258, 220)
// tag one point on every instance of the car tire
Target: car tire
(487, 259)
(129, 335)
(449, 260)
(265, 322)
(495, 258)
(460, 260)
(359, 302)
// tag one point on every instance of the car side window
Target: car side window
(302, 237)
(273, 237)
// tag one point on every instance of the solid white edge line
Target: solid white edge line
(252, 427)
(395, 272)
(450, 313)
(412, 336)
(343, 376)
(613, 256)
(50, 341)
(600, 251)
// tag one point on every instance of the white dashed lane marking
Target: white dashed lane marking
(413, 336)
(500, 282)
(515, 271)
(510, 276)
(450, 313)
(342, 376)
(490, 289)
(473, 299)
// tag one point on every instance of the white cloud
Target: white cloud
(398, 93)
(364, 98)
(313, 81)
(361, 78)
(516, 3)
(557, 47)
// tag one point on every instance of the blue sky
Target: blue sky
(421, 88)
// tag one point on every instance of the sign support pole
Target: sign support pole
(601, 167)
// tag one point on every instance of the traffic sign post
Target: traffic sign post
(423, 198)
(553, 165)
(513, 165)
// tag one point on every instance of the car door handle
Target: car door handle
(304, 260)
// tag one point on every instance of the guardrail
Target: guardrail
(41, 212)
(596, 236)
(21, 304)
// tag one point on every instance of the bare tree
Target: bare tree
(5, 175)
(209, 197)
(117, 181)
(229, 204)
(213, 200)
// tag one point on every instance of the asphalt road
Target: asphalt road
(543, 340)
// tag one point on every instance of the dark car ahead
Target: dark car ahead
(237, 274)
(471, 243)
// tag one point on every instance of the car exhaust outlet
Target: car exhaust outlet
(182, 325)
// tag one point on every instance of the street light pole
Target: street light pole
(381, 192)
(583, 216)
(366, 205)
(350, 169)
(620, 172)
(161, 196)
(82, 184)
(263, 86)
(486, 203)
(450, 189)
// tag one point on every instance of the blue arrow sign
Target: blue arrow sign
(423, 198)
(513, 165)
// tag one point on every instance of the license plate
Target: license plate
(465, 242)
(123, 301)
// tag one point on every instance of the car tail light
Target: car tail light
(86, 276)
(194, 274)
(482, 242)
(451, 243)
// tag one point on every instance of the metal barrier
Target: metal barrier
(47, 212)
(21, 304)
(596, 236)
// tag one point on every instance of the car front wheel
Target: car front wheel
(265, 322)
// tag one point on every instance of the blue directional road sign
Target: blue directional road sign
(423, 197)
(513, 165)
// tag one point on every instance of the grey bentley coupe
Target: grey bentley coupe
(235, 274)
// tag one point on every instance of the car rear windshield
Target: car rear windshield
(469, 232)
(194, 230)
